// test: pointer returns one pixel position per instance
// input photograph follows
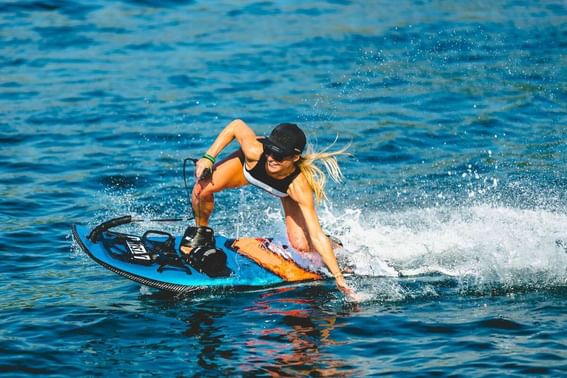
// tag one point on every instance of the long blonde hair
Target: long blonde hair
(316, 176)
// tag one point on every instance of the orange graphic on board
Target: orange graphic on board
(257, 249)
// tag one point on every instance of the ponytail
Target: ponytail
(316, 176)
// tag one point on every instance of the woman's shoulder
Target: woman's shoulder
(249, 143)
(253, 152)
(299, 187)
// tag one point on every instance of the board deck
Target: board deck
(253, 262)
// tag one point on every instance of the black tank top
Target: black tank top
(258, 176)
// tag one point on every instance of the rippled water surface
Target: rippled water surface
(453, 210)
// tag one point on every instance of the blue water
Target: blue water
(453, 210)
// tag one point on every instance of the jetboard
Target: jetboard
(154, 259)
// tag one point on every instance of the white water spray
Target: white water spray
(488, 245)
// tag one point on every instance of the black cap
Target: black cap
(286, 139)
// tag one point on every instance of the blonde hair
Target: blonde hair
(316, 176)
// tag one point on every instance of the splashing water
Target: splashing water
(479, 246)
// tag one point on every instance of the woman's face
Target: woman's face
(280, 164)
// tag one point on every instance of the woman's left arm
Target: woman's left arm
(302, 194)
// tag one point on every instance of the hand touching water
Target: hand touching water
(347, 290)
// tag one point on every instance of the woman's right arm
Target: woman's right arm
(245, 136)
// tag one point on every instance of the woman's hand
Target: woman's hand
(203, 169)
(347, 290)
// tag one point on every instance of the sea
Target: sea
(452, 211)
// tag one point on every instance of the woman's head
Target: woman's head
(284, 148)
(285, 140)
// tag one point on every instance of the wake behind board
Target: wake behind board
(154, 259)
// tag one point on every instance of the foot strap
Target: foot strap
(199, 251)
(198, 236)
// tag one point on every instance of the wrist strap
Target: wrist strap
(209, 158)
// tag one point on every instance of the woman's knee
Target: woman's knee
(202, 190)
(298, 241)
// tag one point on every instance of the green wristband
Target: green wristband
(209, 158)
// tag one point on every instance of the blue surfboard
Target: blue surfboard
(155, 260)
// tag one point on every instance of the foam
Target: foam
(485, 243)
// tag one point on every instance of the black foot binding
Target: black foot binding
(198, 249)
(197, 237)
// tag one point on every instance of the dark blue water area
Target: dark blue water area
(452, 209)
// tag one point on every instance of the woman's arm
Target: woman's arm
(301, 192)
(244, 135)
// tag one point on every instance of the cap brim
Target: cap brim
(275, 147)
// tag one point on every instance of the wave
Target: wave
(480, 246)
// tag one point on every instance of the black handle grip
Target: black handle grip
(206, 174)
(95, 233)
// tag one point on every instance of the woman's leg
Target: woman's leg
(226, 174)
(296, 226)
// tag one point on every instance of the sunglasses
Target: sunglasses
(278, 156)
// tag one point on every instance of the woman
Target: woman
(274, 164)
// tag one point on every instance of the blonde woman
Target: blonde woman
(276, 165)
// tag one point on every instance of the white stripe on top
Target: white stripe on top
(262, 185)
